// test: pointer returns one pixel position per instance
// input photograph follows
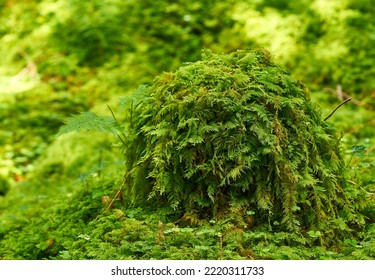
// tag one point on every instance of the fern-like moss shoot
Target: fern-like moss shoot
(235, 133)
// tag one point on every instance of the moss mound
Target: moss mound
(234, 133)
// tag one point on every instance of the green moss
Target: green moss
(235, 133)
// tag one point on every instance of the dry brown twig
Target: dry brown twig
(30, 69)
(342, 103)
(118, 194)
(342, 94)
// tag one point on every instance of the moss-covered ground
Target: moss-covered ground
(61, 197)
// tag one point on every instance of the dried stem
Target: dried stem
(339, 92)
(30, 69)
(342, 103)
(119, 193)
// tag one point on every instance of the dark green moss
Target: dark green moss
(235, 133)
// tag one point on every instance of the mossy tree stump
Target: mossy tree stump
(235, 133)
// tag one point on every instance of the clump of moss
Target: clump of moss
(234, 133)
